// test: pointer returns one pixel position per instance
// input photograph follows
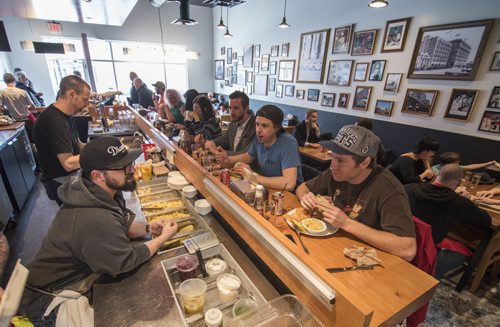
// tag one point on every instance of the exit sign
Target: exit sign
(54, 28)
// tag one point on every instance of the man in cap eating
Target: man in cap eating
(368, 201)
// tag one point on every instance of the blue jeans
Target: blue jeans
(34, 305)
(448, 260)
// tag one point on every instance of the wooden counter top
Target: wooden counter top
(315, 154)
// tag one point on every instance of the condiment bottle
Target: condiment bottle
(258, 202)
(213, 318)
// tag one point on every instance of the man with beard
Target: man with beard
(90, 235)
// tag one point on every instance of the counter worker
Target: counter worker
(144, 95)
(369, 201)
(241, 131)
(90, 235)
(276, 152)
(307, 132)
(55, 135)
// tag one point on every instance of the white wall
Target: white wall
(255, 22)
(141, 26)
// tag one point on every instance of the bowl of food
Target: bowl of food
(202, 207)
(189, 191)
(313, 225)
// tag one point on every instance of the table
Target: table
(315, 154)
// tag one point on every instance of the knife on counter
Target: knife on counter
(340, 269)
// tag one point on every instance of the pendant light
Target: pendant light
(284, 24)
(378, 4)
(227, 34)
(221, 25)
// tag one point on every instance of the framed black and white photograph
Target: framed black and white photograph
(260, 84)
(339, 72)
(450, 51)
(219, 69)
(362, 97)
(249, 77)
(264, 64)
(240, 60)
(377, 70)
(494, 101)
(272, 84)
(300, 94)
(313, 95)
(395, 34)
(279, 90)
(342, 39)
(289, 90)
(327, 99)
(235, 57)
(363, 42)
(286, 70)
(248, 56)
(275, 49)
(256, 51)
(249, 89)
(285, 48)
(222, 51)
(229, 73)
(384, 107)
(256, 66)
(312, 56)
(419, 102)
(461, 104)
(490, 122)
(495, 63)
(242, 77)
(273, 67)
(361, 71)
(343, 100)
(234, 78)
(229, 56)
(392, 82)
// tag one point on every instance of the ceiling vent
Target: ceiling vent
(184, 18)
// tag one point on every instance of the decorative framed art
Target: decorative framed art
(222, 51)
(275, 49)
(240, 60)
(362, 97)
(286, 70)
(289, 90)
(461, 104)
(279, 90)
(342, 39)
(256, 51)
(300, 94)
(363, 42)
(495, 63)
(264, 64)
(327, 99)
(285, 48)
(249, 77)
(490, 122)
(384, 107)
(272, 84)
(273, 67)
(419, 102)
(395, 34)
(260, 84)
(343, 100)
(361, 71)
(377, 70)
(235, 56)
(339, 73)
(392, 82)
(256, 66)
(248, 56)
(229, 56)
(312, 95)
(312, 56)
(494, 101)
(219, 69)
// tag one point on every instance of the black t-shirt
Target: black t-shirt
(54, 134)
(407, 170)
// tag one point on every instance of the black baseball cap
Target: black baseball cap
(159, 84)
(273, 113)
(106, 153)
(354, 140)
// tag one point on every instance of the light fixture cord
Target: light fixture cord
(284, 11)
(227, 17)
(220, 12)
(161, 34)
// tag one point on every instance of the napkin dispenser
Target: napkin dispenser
(246, 190)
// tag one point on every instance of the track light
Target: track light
(378, 4)
(284, 24)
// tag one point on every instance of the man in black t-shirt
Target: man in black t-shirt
(56, 138)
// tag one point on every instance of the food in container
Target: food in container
(243, 306)
(186, 266)
(193, 295)
(213, 318)
(164, 205)
(228, 286)
(146, 169)
(215, 266)
(313, 225)
(171, 215)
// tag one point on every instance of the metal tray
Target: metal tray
(164, 195)
(150, 217)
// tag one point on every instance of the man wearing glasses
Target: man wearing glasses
(90, 235)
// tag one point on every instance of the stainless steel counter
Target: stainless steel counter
(7, 135)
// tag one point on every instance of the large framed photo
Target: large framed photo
(419, 102)
(362, 97)
(494, 101)
(286, 70)
(229, 56)
(343, 100)
(248, 56)
(312, 56)
(361, 71)
(312, 95)
(495, 63)
(395, 34)
(342, 39)
(264, 64)
(339, 72)
(384, 107)
(289, 90)
(392, 82)
(260, 84)
(219, 69)
(377, 70)
(450, 51)
(363, 42)
(327, 99)
(490, 122)
(461, 104)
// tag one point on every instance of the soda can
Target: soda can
(279, 201)
(225, 177)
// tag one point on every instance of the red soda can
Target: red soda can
(225, 177)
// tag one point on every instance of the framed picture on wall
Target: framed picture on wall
(362, 97)
(449, 51)
(392, 82)
(240, 60)
(264, 64)
(342, 39)
(419, 102)
(235, 57)
(273, 67)
(285, 48)
(384, 107)
(313, 95)
(250, 89)
(312, 56)
(229, 56)
(339, 72)
(275, 49)
(494, 101)
(241, 76)
(260, 84)
(222, 51)
(289, 90)
(327, 99)
(248, 56)
(279, 90)
(461, 104)
(363, 42)
(395, 34)
(219, 69)
(286, 70)
(377, 70)
(361, 71)
(343, 100)
(272, 84)
(495, 63)
(300, 94)
(490, 122)
(249, 77)
(256, 66)
(256, 51)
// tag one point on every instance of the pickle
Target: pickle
(298, 225)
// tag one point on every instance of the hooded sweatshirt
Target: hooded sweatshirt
(442, 208)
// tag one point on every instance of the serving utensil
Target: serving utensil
(341, 269)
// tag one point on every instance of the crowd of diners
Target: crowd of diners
(90, 235)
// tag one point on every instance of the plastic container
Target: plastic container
(244, 306)
(144, 148)
(213, 318)
(215, 267)
(193, 295)
(186, 266)
(146, 171)
(228, 286)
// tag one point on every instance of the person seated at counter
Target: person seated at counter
(276, 152)
(23, 84)
(159, 98)
(368, 201)
(189, 97)
(441, 207)
(487, 196)
(415, 167)
(90, 234)
(144, 95)
(241, 131)
(175, 108)
(202, 122)
(447, 158)
(307, 132)
(133, 92)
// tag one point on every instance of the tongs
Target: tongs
(297, 231)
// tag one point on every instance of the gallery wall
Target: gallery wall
(255, 23)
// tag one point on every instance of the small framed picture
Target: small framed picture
(300, 94)
(275, 49)
(490, 122)
(249, 77)
(279, 90)
(286, 70)
(392, 82)
(461, 104)
(240, 60)
(219, 69)
(222, 51)
(377, 70)
(256, 66)
(363, 42)
(256, 51)
(343, 100)
(247, 56)
(384, 107)
(313, 95)
(339, 73)
(327, 99)
(260, 84)
(235, 56)
(289, 90)
(264, 64)
(342, 39)
(494, 101)
(273, 65)
(395, 34)
(229, 56)
(272, 84)
(285, 47)
(250, 89)
(361, 71)
(495, 63)
(362, 97)
(419, 102)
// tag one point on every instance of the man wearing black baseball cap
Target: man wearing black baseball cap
(368, 201)
(90, 235)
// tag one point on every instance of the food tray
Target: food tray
(330, 230)
(162, 204)
(158, 196)
(157, 184)
(178, 238)
(183, 213)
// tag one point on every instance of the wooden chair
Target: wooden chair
(225, 120)
(491, 257)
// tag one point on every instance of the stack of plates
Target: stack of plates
(202, 207)
(177, 182)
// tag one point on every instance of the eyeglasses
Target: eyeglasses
(128, 169)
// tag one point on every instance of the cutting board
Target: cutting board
(16, 125)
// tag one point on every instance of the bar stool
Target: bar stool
(490, 257)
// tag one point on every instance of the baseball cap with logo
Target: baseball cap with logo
(159, 84)
(106, 153)
(354, 140)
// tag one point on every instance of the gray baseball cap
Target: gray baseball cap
(354, 140)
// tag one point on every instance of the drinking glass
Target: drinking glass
(476, 177)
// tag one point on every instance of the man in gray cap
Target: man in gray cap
(368, 201)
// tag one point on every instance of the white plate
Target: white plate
(330, 230)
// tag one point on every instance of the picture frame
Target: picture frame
(249, 89)
(339, 72)
(490, 122)
(229, 73)
(495, 62)
(248, 56)
(384, 108)
(286, 70)
(256, 66)
(494, 100)
(256, 51)
(362, 97)
(222, 51)
(395, 34)
(311, 66)
(229, 56)
(461, 104)
(377, 69)
(419, 102)
(241, 77)
(264, 63)
(219, 69)
(279, 90)
(260, 84)
(234, 77)
(313, 95)
(275, 49)
(235, 56)
(272, 84)
(363, 42)
(430, 62)
(343, 100)
(361, 71)
(240, 60)
(249, 77)
(342, 37)
(300, 94)
(289, 90)
(285, 48)
(327, 99)
(392, 82)
(273, 67)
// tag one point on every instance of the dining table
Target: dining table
(320, 155)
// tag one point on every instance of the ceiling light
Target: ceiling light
(378, 4)
(227, 34)
(184, 18)
(221, 25)
(284, 24)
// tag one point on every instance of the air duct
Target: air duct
(184, 18)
